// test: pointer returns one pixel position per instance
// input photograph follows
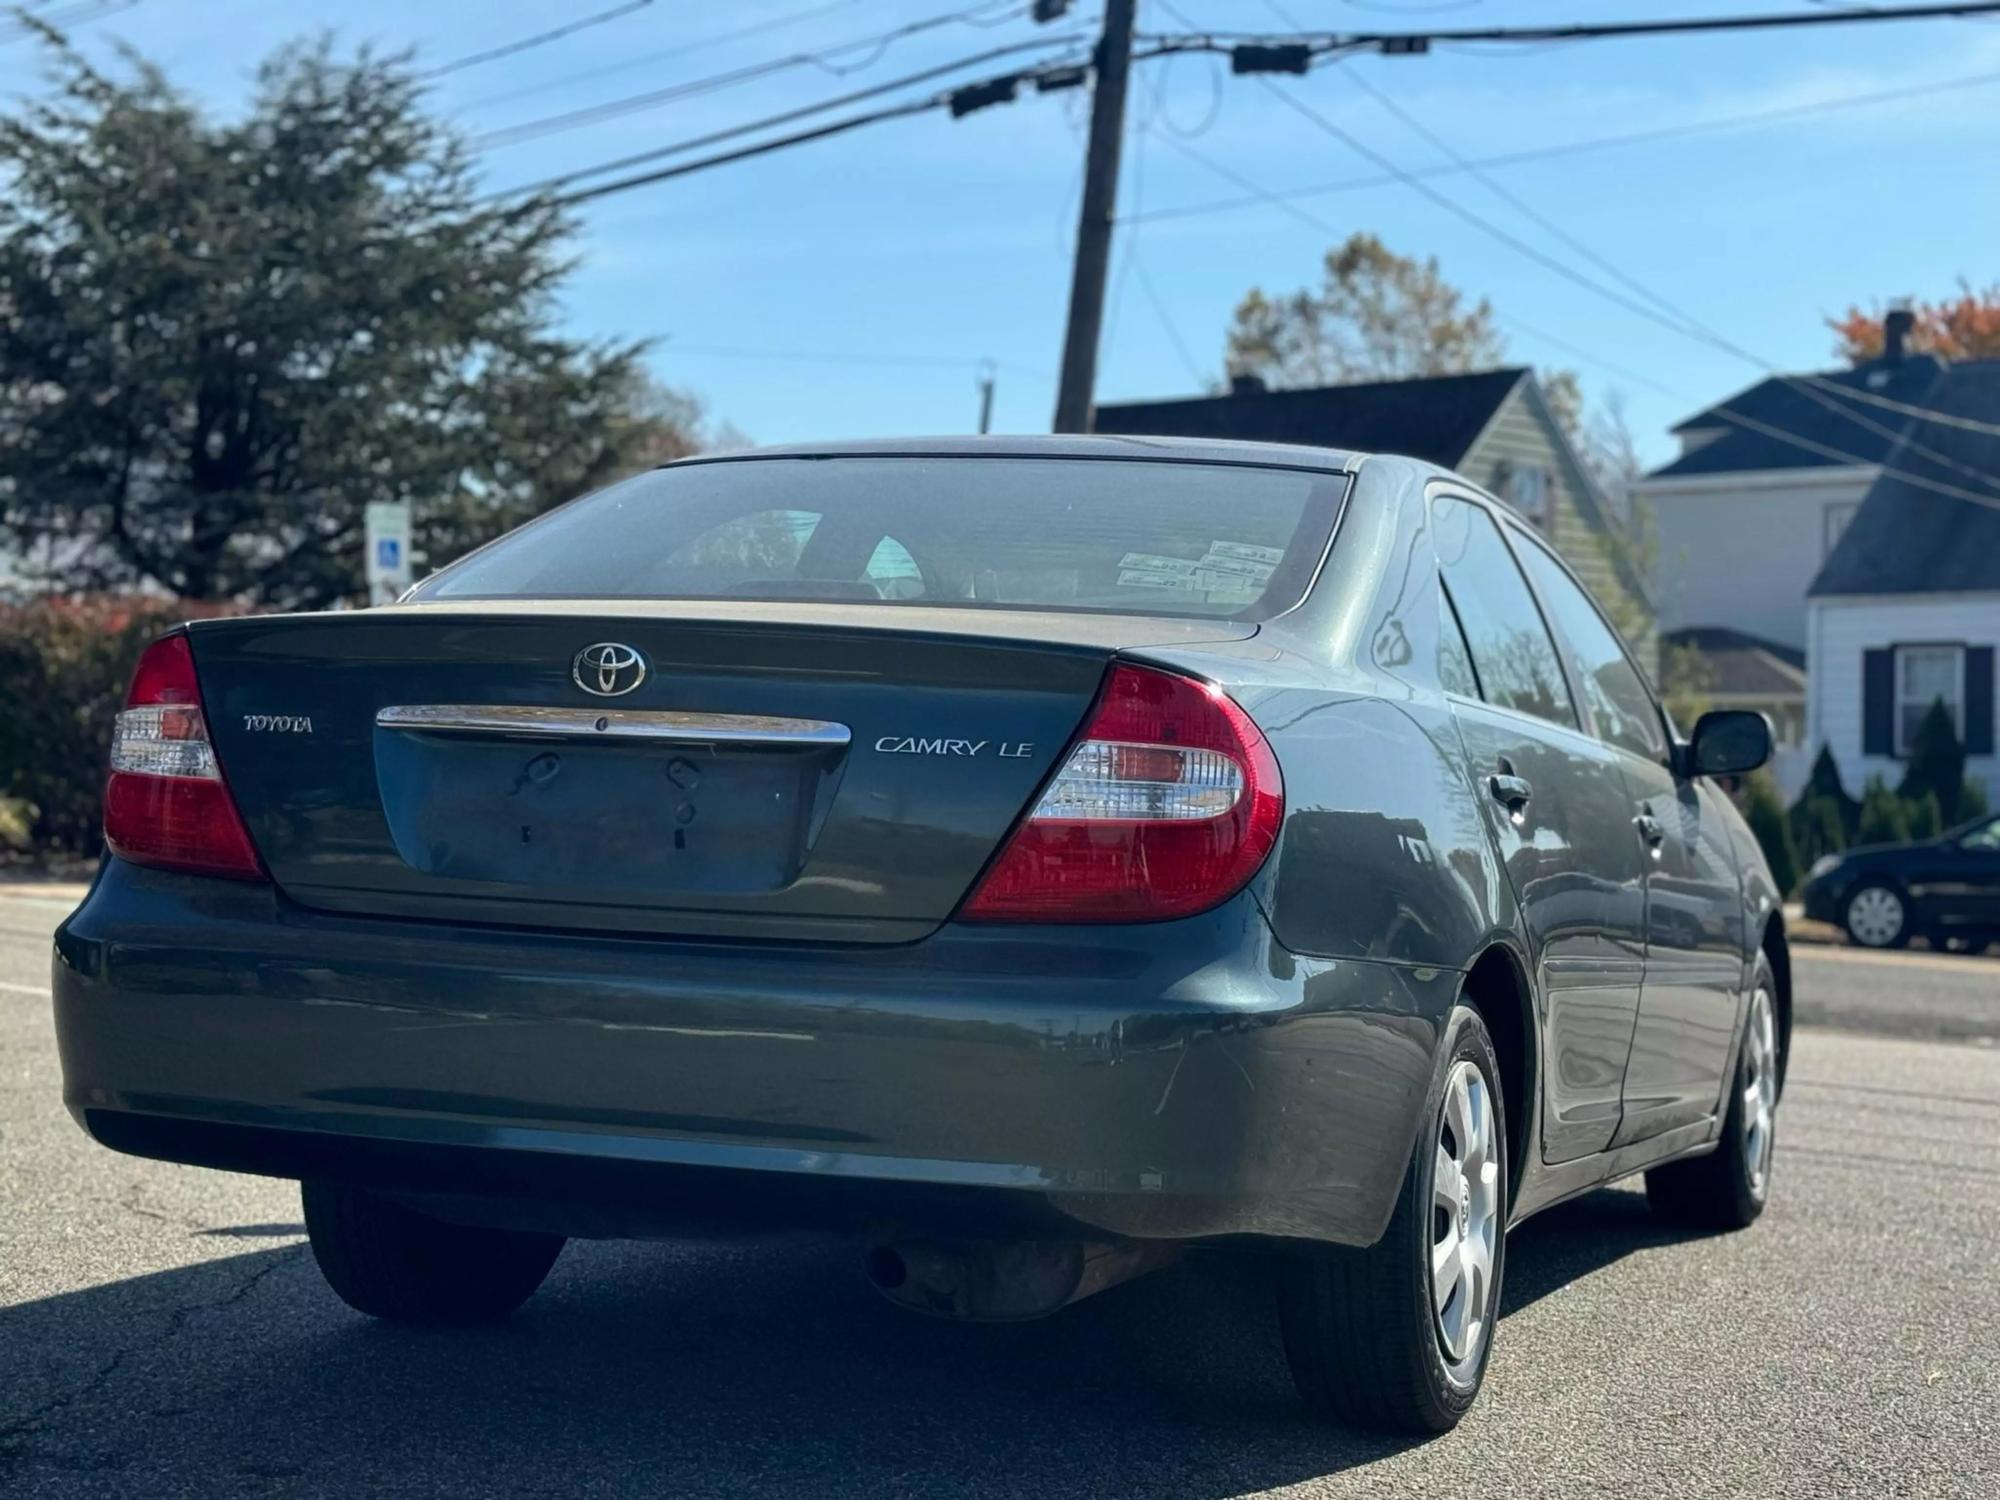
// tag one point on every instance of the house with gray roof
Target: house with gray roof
(1853, 516)
(1905, 611)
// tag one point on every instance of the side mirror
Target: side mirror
(1729, 742)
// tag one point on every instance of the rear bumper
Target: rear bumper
(1188, 1080)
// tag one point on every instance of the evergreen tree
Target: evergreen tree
(1765, 812)
(1936, 766)
(1885, 817)
(222, 336)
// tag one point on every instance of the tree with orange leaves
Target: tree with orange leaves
(1963, 327)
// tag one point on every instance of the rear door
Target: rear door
(1555, 802)
(1694, 905)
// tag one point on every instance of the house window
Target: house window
(1927, 675)
(1527, 488)
(1833, 523)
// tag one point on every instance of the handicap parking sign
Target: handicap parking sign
(388, 553)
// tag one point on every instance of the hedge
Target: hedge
(64, 668)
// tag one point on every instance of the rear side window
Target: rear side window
(1511, 650)
(1161, 538)
(1612, 687)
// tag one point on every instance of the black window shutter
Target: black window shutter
(1978, 700)
(1878, 701)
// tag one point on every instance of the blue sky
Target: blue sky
(915, 249)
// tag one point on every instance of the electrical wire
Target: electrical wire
(539, 39)
(1416, 41)
(854, 96)
(1697, 332)
(611, 109)
(1598, 143)
(652, 59)
(82, 14)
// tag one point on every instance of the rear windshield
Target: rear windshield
(1134, 537)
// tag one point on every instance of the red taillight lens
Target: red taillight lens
(166, 803)
(1166, 806)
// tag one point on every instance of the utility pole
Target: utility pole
(1075, 398)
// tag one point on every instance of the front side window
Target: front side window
(1985, 838)
(1612, 687)
(1926, 675)
(1128, 536)
(1512, 653)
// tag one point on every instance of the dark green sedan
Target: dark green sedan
(1035, 857)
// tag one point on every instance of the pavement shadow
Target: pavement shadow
(752, 1369)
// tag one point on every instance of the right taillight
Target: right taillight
(1166, 806)
(165, 802)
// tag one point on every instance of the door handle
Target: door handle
(1511, 792)
(1651, 830)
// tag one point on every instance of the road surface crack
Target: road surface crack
(14, 1432)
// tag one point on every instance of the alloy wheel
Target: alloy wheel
(1875, 916)
(1465, 1215)
(1760, 1091)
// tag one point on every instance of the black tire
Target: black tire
(1902, 935)
(1723, 1190)
(1361, 1333)
(392, 1262)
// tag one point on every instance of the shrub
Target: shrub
(1824, 783)
(1972, 802)
(1885, 817)
(64, 667)
(1926, 822)
(1817, 828)
(1937, 764)
(1764, 811)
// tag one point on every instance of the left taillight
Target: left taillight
(165, 803)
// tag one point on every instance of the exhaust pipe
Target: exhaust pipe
(994, 1281)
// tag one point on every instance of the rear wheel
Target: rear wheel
(1727, 1189)
(1396, 1336)
(392, 1262)
(1877, 916)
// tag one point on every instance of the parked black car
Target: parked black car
(1037, 855)
(1945, 889)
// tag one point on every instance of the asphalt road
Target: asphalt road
(163, 1331)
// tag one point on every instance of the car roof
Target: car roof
(1193, 450)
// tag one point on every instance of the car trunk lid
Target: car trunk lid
(781, 771)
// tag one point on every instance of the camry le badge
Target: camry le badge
(608, 669)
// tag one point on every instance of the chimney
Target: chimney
(1896, 326)
(1244, 384)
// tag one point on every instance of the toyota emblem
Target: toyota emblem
(608, 669)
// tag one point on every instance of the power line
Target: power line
(855, 96)
(650, 59)
(1407, 42)
(1674, 324)
(1572, 148)
(612, 109)
(539, 39)
(83, 14)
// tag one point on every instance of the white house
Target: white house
(1758, 548)
(1906, 610)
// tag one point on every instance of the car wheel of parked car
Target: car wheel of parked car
(393, 1262)
(1877, 917)
(1396, 1335)
(1727, 1188)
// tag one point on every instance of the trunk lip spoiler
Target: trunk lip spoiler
(671, 726)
